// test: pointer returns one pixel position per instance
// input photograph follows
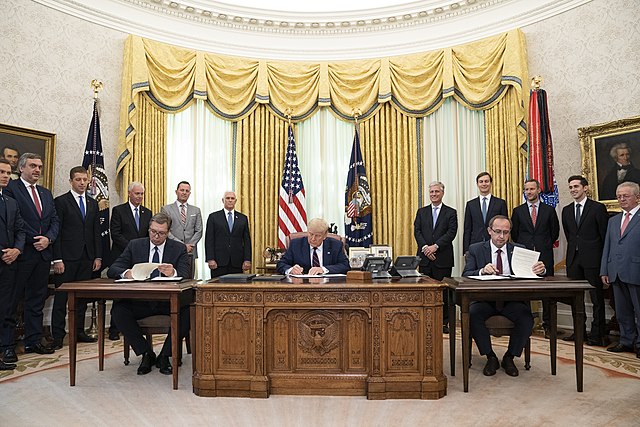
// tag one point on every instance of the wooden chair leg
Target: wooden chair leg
(187, 341)
(527, 355)
(127, 350)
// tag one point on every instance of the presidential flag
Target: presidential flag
(541, 147)
(98, 188)
(358, 229)
(292, 216)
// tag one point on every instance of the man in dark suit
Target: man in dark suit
(622, 170)
(11, 245)
(227, 241)
(77, 252)
(41, 230)
(129, 221)
(494, 257)
(174, 261)
(620, 266)
(434, 228)
(585, 225)
(314, 254)
(479, 211)
(536, 226)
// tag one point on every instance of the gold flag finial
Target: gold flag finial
(288, 112)
(356, 112)
(97, 87)
(535, 82)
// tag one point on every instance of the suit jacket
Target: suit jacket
(475, 228)
(77, 235)
(620, 256)
(480, 255)
(123, 227)
(442, 235)
(588, 236)
(299, 252)
(137, 251)
(224, 246)
(11, 228)
(34, 225)
(539, 238)
(610, 182)
(189, 233)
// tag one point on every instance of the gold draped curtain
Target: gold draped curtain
(391, 94)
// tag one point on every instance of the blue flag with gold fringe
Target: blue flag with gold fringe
(358, 228)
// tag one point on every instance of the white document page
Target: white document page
(522, 262)
(143, 270)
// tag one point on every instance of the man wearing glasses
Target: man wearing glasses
(174, 261)
(494, 257)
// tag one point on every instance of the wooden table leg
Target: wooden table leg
(71, 304)
(101, 310)
(452, 331)
(466, 342)
(578, 330)
(192, 335)
(553, 340)
(175, 337)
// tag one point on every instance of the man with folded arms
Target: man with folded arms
(494, 257)
(174, 261)
(314, 254)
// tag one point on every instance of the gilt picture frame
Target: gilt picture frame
(600, 146)
(22, 140)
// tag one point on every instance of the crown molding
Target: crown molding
(234, 30)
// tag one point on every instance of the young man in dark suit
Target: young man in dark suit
(434, 228)
(536, 226)
(77, 252)
(480, 210)
(129, 221)
(494, 257)
(41, 230)
(174, 261)
(11, 246)
(314, 254)
(227, 240)
(585, 226)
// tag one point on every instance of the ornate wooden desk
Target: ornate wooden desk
(381, 339)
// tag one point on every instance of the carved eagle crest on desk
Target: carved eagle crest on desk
(318, 335)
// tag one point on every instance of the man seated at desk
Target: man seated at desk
(314, 254)
(494, 257)
(174, 261)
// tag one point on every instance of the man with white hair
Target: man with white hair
(622, 171)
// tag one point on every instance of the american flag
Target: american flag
(292, 216)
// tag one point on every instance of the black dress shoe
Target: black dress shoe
(9, 356)
(114, 335)
(547, 331)
(492, 366)
(445, 329)
(38, 348)
(619, 348)
(638, 352)
(7, 366)
(148, 360)
(595, 341)
(164, 365)
(508, 366)
(83, 337)
(571, 337)
(57, 343)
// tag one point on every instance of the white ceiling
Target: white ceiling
(289, 31)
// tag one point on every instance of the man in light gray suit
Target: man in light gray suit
(620, 266)
(186, 221)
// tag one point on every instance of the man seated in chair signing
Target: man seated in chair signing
(174, 261)
(314, 254)
(494, 257)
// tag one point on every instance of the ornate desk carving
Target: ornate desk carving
(380, 339)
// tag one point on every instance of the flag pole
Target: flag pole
(288, 113)
(356, 113)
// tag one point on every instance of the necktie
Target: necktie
(36, 200)
(627, 217)
(435, 215)
(82, 209)
(230, 221)
(156, 258)
(534, 215)
(484, 209)
(316, 260)
(578, 206)
(183, 215)
(136, 217)
(499, 261)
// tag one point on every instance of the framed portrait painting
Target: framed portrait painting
(15, 141)
(610, 156)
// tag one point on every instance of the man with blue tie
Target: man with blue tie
(479, 211)
(227, 240)
(77, 252)
(620, 266)
(11, 246)
(174, 262)
(32, 282)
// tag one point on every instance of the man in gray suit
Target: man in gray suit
(620, 266)
(186, 222)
